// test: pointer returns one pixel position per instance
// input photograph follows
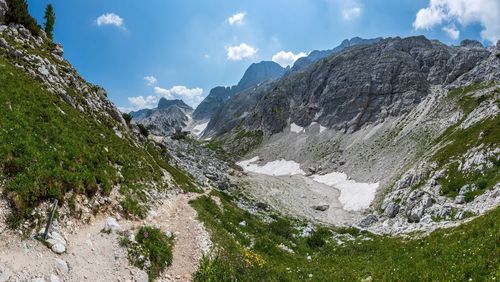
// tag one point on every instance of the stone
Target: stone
(368, 221)
(111, 225)
(391, 210)
(54, 278)
(321, 207)
(444, 211)
(262, 206)
(460, 199)
(58, 50)
(5, 273)
(58, 248)
(61, 266)
(243, 223)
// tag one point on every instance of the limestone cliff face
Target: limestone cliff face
(359, 85)
(163, 120)
(256, 74)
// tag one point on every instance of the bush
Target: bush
(18, 14)
(316, 241)
(127, 117)
(151, 252)
(143, 130)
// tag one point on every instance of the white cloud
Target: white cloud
(192, 96)
(110, 19)
(237, 18)
(452, 32)
(287, 58)
(141, 102)
(351, 12)
(237, 53)
(463, 12)
(150, 80)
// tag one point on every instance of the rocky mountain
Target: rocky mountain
(314, 56)
(163, 120)
(392, 112)
(253, 76)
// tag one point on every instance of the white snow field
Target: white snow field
(354, 196)
(274, 168)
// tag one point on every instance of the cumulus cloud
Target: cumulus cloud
(463, 12)
(237, 53)
(150, 80)
(192, 96)
(110, 19)
(452, 32)
(287, 58)
(237, 18)
(351, 12)
(141, 102)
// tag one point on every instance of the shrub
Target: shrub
(316, 240)
(152, 250)
(127, 117)
(18, 14)
(143, 130)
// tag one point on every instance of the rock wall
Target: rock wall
(3, 10)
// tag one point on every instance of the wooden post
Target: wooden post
(51, 218)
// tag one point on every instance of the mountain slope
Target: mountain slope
(163, 120)
(253, 76)
(63, 139)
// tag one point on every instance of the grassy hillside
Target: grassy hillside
(251, 252)
(49, 149)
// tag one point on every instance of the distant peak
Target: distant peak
(165, 103)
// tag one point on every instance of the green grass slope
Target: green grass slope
(49, 149)
(250, 252)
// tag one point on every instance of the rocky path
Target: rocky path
(95, 256)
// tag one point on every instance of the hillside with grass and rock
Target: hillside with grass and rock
(376, 160)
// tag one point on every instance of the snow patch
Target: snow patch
(354, 196)
(198, 129)
(274, 168)
(295, 128)
(321, 128)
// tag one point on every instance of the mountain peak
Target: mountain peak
(165, 103)
(259, 72)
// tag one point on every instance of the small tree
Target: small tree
(50, 19)
(18, 13)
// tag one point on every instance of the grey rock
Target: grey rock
(61, 266)
(471, 43)
(58, 50)
(444, 211)
(58, 248)
(262, 206)
(368, 221)
(321, 207)
(460, 199)
(391, 210)
(111, 225)
(54, 278)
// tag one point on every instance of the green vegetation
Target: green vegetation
(127, 117)
(457, 142)
(151, 250)
(143, 130)
(49, 149)
(18, 14)
(237, 144)
(250, 252)
(50, 19)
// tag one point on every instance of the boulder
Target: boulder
(262, 206)
(391, 210)
(61, 266)
(321, 207)
(58, 248)
(368, 221)
(111, 225)
(460, 199)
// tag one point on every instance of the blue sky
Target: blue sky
(190, 46)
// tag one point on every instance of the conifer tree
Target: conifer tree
(50, 18)
(18, 13)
